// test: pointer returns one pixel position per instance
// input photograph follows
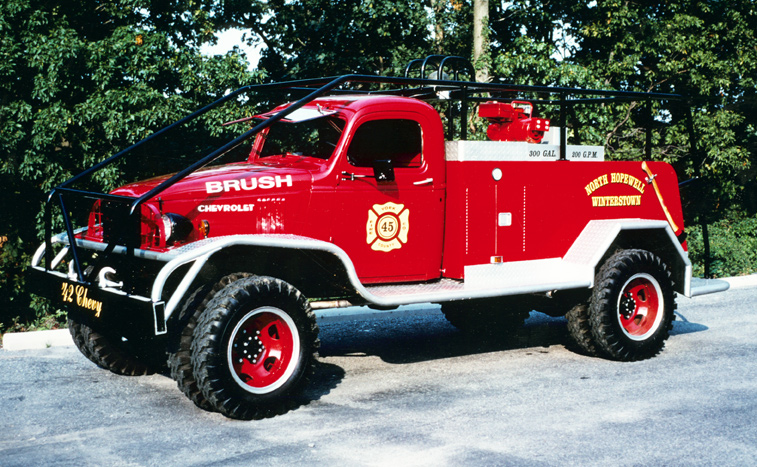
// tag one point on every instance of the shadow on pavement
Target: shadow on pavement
(414, 339)
(325, 379)
(410, 340)
(683, 326)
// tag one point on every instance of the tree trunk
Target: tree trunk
(436, 7)
(481, 39)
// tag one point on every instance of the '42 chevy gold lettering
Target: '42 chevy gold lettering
(78, 295)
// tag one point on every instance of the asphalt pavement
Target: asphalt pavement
(412, 390)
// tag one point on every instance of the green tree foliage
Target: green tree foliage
(79, 81)
(733, 246)
(706, 50)
(310, 38)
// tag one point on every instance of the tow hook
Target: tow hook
(104, 282)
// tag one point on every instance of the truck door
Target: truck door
(392, 229)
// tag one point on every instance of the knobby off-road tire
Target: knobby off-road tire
(486, 317)
(111, 354)
(632, 307)
(78, 332)
(254, 348)
(180, 360)
(579, 328)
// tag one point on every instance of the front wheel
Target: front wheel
(180, 358)
(254, 348)
(114, 354)
(632, 306)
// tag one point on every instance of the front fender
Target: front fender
(305, 262)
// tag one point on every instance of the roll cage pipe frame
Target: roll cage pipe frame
(440, 61)
(423, 89)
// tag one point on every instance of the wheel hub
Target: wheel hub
(252, 348)
(640, 306)
(627, 306)
(263, 350)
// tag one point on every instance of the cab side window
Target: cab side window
(397, 140)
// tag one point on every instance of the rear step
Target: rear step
(707, 286)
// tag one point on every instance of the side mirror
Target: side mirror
(383, 170)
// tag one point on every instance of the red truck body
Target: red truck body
(546, 205)
(437, 216)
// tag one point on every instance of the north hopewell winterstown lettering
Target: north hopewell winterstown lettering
(607, 201)
(615, 177)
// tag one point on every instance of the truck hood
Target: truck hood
(225, 181)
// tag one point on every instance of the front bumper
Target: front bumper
(105, 310)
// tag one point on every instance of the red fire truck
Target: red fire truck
(355, 193)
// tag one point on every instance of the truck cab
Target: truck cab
(354, 171)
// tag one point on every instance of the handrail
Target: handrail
(233, 143)
(329, 83)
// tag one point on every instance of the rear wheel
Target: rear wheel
(254, 348)
(579, 328)
(632, 306)
(486, 317)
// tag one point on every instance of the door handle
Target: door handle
(424, 182)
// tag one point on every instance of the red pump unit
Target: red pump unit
(513, 121)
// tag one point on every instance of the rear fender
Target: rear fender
(601, 238)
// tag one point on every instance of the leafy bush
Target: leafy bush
(733, 247)
(80, 81)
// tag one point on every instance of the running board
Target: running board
(539, 275)
(490, 280)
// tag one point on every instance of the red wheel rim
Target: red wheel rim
(640, 306)
(263, 350)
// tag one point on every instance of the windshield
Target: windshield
(311, 138)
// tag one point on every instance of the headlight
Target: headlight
(175, 227)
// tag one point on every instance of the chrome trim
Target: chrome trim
(201, 254)
(608, 230)
(329, 304)
(121, 250)
(38, 255)
(54, 240)
(104, 283)
(160, 324)
(99, 246)
(183, 286)
(306, 243)
(59, 257)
